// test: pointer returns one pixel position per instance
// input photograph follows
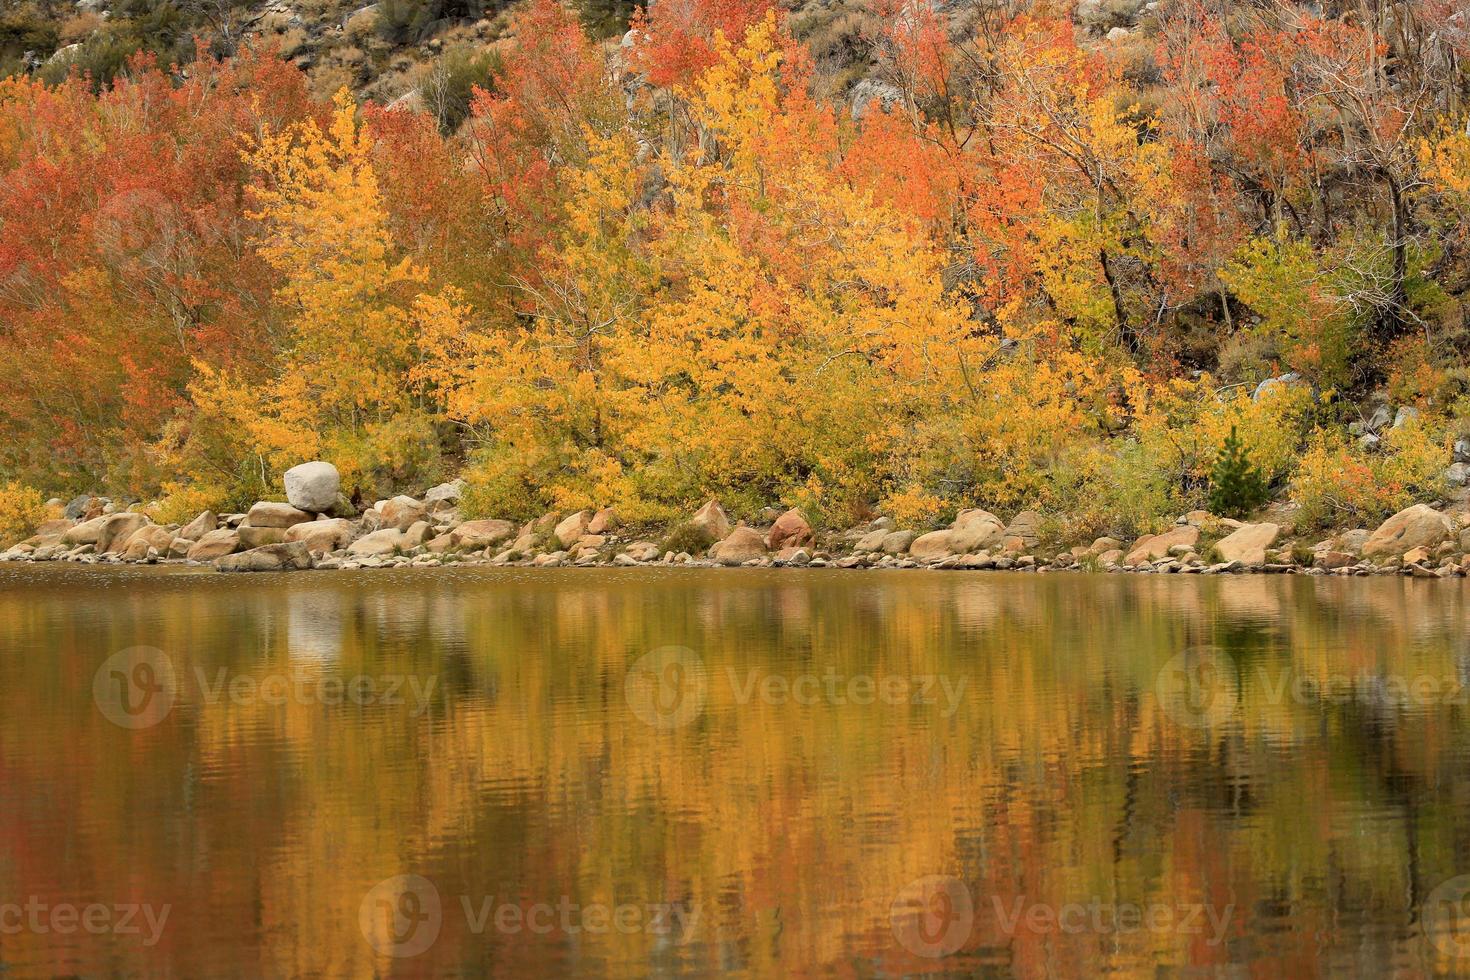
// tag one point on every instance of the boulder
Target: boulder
(1457, 474)
(387, 541)
(1334, 559)
(290, 556)
(974, 530)
(49, 532)
(160, 539)
(342, 508)
(313, 486)
(322, 536)
(603, 521)
(269, 513)
(475, 535)
(1350, 541)
(214, 544)
(794, 556)
(1025, 526)
(86, 532)
(77, 508)
(896, 542)
(258, 537)
(545, 522)
(1152, 547)
(401, 512)
(1412, 527)
(199, 526)
(790, 530)
(116, 529)
(642, 551)
(1416, 556)
(447, 492)
(570, 528)
(1280, 381)
(418, 532)
(935, 544)
(712, 521)
(739, 546)
(871, 541)
(1248, 544)
(1104, 544)
(590, 542)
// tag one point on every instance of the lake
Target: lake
(670, 772)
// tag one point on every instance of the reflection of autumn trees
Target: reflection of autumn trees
(789, 827)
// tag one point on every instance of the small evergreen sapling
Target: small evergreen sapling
(1236, 486)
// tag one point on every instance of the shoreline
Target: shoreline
(209, 570)
(318, 528)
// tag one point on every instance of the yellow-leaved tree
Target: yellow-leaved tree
(804, 330)
(542, 397)
(350, 316)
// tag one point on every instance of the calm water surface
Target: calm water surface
(664, 772)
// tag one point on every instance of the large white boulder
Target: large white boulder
(313, 486)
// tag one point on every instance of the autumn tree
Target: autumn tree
(353, 310)
(124, 257)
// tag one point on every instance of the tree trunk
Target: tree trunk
(1395, 322)
(1125, 329)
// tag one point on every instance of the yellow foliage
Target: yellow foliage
(1337, 483)
(913, 506)
(180, 503)
(350, 383)
(21, 509)
(1444, 156)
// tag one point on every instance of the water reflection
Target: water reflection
(807, 772)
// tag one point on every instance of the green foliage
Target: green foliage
(606, 18)
(1236, 486)
(401, 21)
(151, 27)
(1338, 483)
(495, 487)
(686, 538)
(1124, 492)
(25, 30)
(449, 86)
(1282, 280)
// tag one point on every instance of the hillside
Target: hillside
(1111, 261)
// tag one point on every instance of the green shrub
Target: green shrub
(1236, 486)
(686, 537)
(449, 85)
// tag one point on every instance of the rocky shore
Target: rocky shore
(317, 528)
